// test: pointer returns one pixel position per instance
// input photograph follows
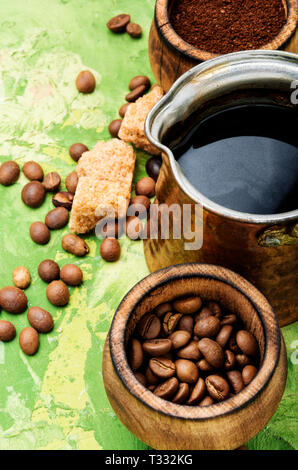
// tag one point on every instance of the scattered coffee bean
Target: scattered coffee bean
(151, 378)
(141, 378)
(224, 335)
(118, 23)
(140, 205)
(71, 182)
(134, 228)
(7, 331)
(123, 109)
(248, 373)
(57, 218)
(162, 367)
(207, 327)
(149, 326)
(161, 309)
(21, 277)
(170, 322)
(29, 340)
(75, 245)
(71, 274)
(187, 305)
(204, 313)
(212, 352)
(180, 338)
(243, 360)
(197, 393)
(235, 379)
(153, 166)
(247, 343)
(204, 366)
(114, 127)
(136, 354)
(9, 173)
(63, 199)
(186, 323)
(167, 389)
(33, 171)
(85, 82)
(134, 30)
(33, 194)
(217, 387)
(52, 182)
(229, 320)
(186, 371)
(110, 249)
(190, 351)
(136, 93)
(40, 233)
(230, 360)
(139, 80)
(145, 187)
(57, 293)
(77, 150)
(182, 394)
(40, 319)
(49, 270)
(157, 347)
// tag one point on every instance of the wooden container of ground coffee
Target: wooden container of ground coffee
(185, 33)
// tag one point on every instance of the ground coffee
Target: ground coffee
(223, 26)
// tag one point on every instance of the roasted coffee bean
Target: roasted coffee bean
(235, 379)
(33, 194)
(134, 30)
(204, 313)
(21, 277)
(71, 275)
(135, 94)
(139, 80)
(180, 338)
(212, 352)
(75, 245)
(153, 166)
(170, 322)
(85, 82)
(224, 335)
(229, 320)
(63, 199)
(118, 23)
(71, 182)
(134, 228)
(229, 360)
(111, 229)
(186, 323)
(162, 367)
(151, 378)
(110, 249)
(204, 366)
(52, 182)
(123, 109)
(40, 319)
(243, 360)
(76, 151)
(149, 326)
(167, 389)
(40, 233)
(7, 331)
(57, 293)
(29, 341)
(187, 305)
(141, 378)
(182, 394)
(114, 127)
(157, 347)
(190, 351)
(233, 345)
(206, 401)
(217, 387)
(247, 343)
(33, 171)
(9, 173)
(215, 308)
(140, 205)
(197, 393)
(207, 327)
(57, 218)
(161, 309)
(186, 371)
(248, 373)
(49, 270)
(136, 355)
(146, 187)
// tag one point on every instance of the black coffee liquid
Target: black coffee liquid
(245, 158)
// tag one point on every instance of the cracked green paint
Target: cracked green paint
(56, 399)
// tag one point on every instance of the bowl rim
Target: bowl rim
(161, 277)
(174, 41)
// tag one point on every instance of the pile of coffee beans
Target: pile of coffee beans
(121, 24)
(193, 353)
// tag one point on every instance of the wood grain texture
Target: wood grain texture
(170, 56)
(226, 425)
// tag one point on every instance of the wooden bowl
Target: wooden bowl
(170, 56)
(165, 425)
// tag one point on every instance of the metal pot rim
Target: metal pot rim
(153, 126)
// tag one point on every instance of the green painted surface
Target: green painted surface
(56, 399)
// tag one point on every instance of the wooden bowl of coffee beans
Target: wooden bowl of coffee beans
(194, 359)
